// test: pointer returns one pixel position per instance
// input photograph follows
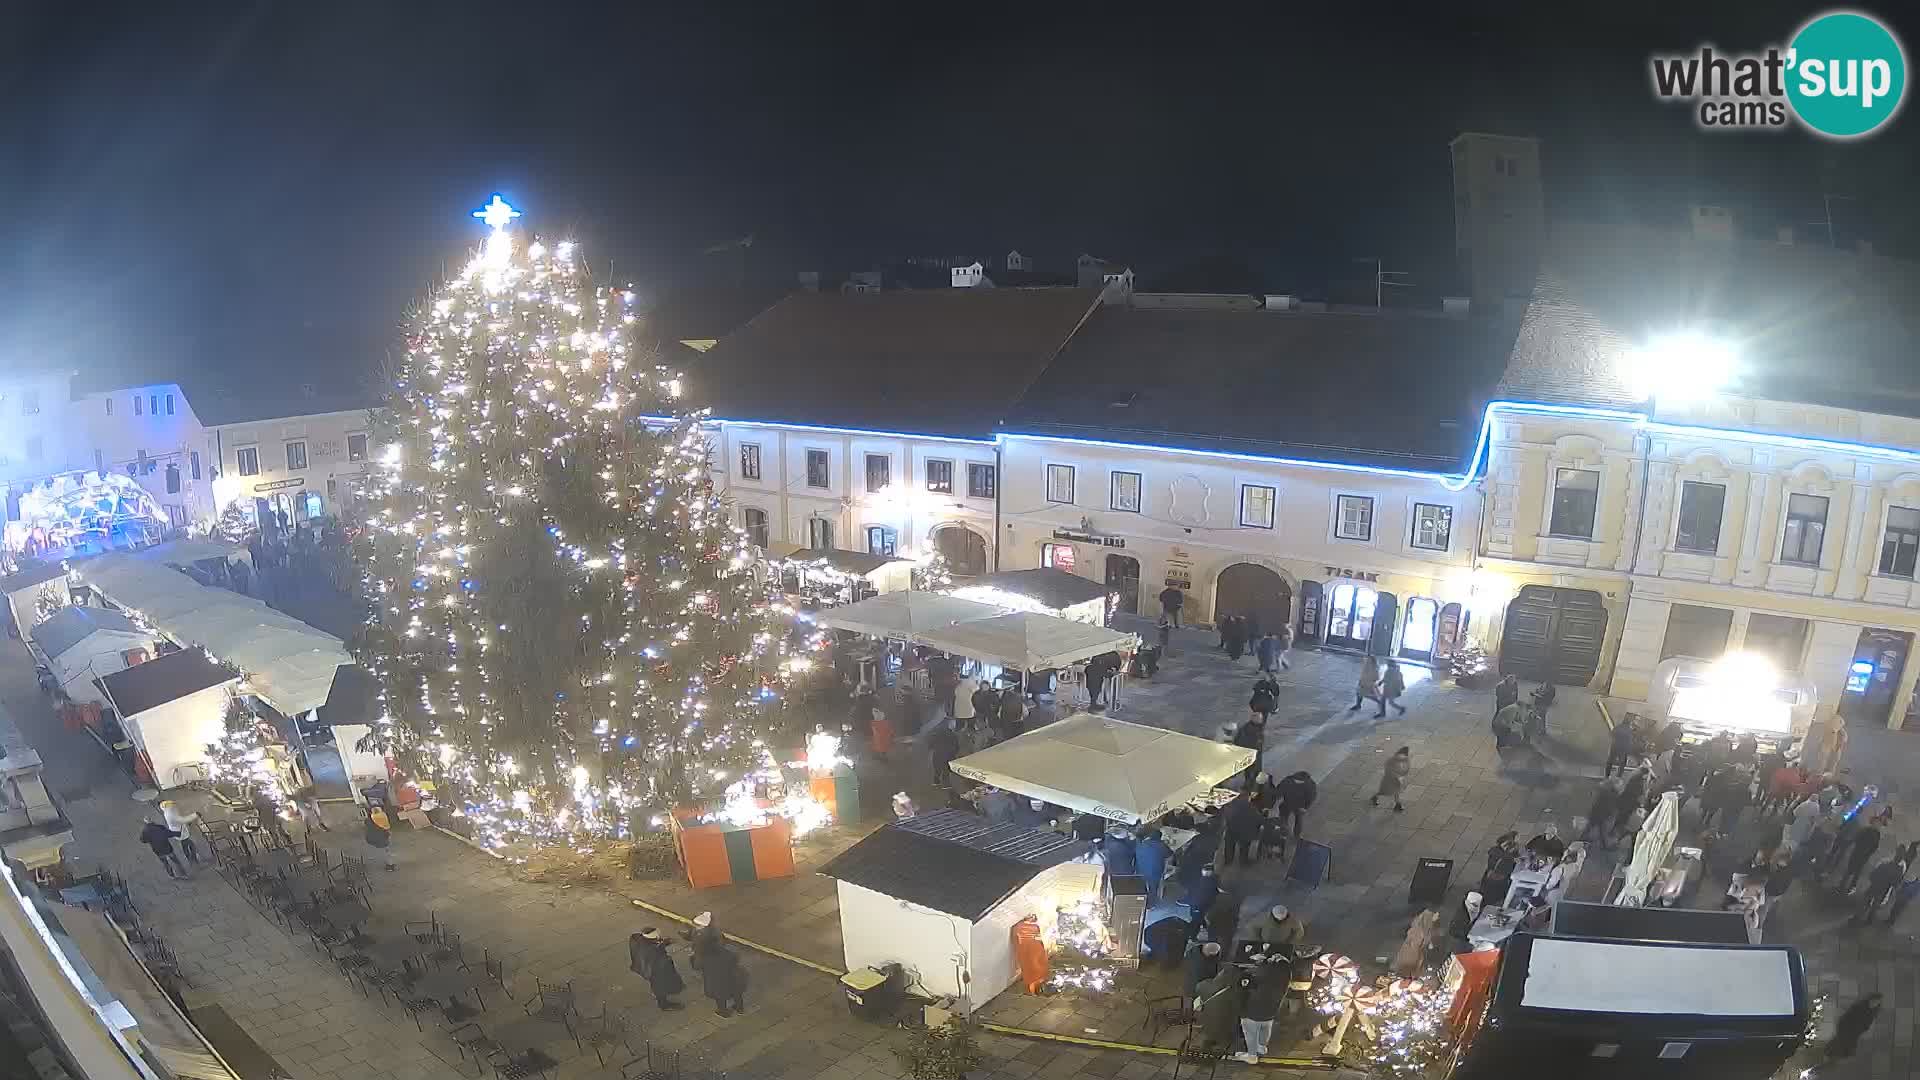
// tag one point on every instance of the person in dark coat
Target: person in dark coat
(1866, 841)
(1506, 692)
(1223, 918)
(1502, 857)
(1393, 684)
(1633, 796)
(1012, 714)
(724, 978)
(1150, 857)
(1885, 878)
(1262, 1006)
(943, 745)
(1172, 599)
(159, 839)
(1600, 815)
(1268, 653)
(1201, 893)
(1236, 637)
(1252, 736)
(1620, 747)
(1852, 1024)
(1297, 792)
(647, 955)
(1099, 670)
(1203, 963)
(1220, 1000)
(1243, 829)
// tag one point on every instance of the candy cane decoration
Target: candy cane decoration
(1336, 967)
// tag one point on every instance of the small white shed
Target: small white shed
(23, 587)
(83, 644)
(939, 894)
(172, 708)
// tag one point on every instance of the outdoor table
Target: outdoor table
(1494, 926)
(448, 986)
(81, 895)
(529, 1036)
(304, 884)
(346, 914)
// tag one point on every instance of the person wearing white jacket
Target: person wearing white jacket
(181, 821)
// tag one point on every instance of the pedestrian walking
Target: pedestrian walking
(1268, 652)
(1172, 599)
(159, 839)
(379, 833)
(1252, 735)
(1886, 877)
(271, 824)
(1283, 638)
(1393, 683)
(1236, 639)
(181, 822)
(1620, 747)
(1297, 792)
(647, 955)
(1600, 816)
(943, 745)
(1368, 686)
(1866, 841)
(1904, 892)
(1265, 698)
(1262, 1006)
(1393, 777)
(1243, 822)
(308, 800)
(1165, 626)
(1852, 1024)
(724, 978)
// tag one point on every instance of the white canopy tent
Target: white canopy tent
(288, 663)
(1029, 641)
(910, 614)
(1093, 764)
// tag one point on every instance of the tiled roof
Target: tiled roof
(163, 679)
(950, 861)
(1384, 389)
(1809, 324)
(943, 362)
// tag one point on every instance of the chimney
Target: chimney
(1785, 235)
(1455, 306)
(1712, 223)
(1279, 302)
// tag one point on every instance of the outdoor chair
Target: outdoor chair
(495, 968)
(508, 1067)
(449, 951)
(387, 982)
(472, 1039)
(1195, 1057)
(426, 933)
(654, 1064)
(554, 1001)
(611, 1030)
(417, 1005)
(1164, 1013)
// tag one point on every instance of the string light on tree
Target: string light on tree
(565, 631)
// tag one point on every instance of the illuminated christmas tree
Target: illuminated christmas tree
(565, 630)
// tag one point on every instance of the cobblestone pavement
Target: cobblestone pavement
(1460, 795)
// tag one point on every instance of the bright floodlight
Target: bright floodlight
(1678, 368)
(1745, 673)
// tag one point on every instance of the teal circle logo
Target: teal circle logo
(1847, 74)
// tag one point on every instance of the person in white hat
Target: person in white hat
(1280, 926)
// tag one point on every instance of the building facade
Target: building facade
(152, 434)
(294, 468)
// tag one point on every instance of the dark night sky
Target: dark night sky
(246, 190)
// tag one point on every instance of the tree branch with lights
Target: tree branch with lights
(565, 630)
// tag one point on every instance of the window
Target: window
(1576, 497)
(1700, 506)
(153, 404)
(754, 521)
(819, 534)
(29, 402)
(1432, 526)
(109, 406)
(297, 454)
(982, 481)
(940, 476)
(881, 540)
(1696, 631)
(1057, 556)
(1901, 542)
(819, 471)
(173, 479)
(1123, 491)
(1806, 529)
(749, 461)
(193, 460)
(1256, 506)
(879, 472)
(247, 459)
(1355, 517)
(138, 405)
(1781, 639)
(169, 404)
(357, 447)
(1060, 483)
(34, 448)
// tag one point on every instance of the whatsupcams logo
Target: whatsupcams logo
(1843, 75)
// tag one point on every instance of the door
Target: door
(1419, 639)
(1350, 612)
(1878, 658)
(1123, 579)
(1311, 605)
(965, 551)
(1554, 635)
(1252, 589)
(1386, 619)
(1452, 632)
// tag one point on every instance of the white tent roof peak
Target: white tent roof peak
(907, 613)
(1098, 765)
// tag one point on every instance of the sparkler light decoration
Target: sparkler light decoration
(1404, 1020)
(565, 630)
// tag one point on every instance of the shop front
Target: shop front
(1247, 588)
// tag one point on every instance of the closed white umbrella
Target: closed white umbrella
(1650, 850)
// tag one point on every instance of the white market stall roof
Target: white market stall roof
(910, 613)
(287, 662)
(1097, 765)
(1029, 641)
(188, 551)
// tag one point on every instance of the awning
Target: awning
(1029, 641)
(910, 613)
(287, 662)
(1093, 764)
(1050, 587)
(847, 562)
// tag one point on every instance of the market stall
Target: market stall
(172, 707)
(79, 513)
(1097, 765)
(1740, 694)
(25, 589)
(835, 577)
(1028, 642)
(940, 894)
(907, 615)
(80, 644)
(1046, 591)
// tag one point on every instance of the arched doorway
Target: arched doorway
(1123, 579)
(965, 551)
(1554, 635)
(1252, 589)
(1420, 639)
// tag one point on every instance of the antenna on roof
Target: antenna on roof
(1826, 221)
(1382, 278)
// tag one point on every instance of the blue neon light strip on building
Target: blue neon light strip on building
(1449, 481)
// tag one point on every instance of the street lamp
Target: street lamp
(1681, 368)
